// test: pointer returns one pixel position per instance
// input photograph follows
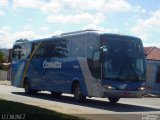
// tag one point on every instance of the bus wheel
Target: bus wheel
(113, 100)
(27, 88)
(56, 94)
(78, 96)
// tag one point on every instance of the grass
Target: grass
(32, 112)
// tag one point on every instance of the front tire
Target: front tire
(78, 96)
(113, 100)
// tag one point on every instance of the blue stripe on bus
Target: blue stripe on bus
(52, 79)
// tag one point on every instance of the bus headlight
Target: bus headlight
(141, 88)
(109, 87)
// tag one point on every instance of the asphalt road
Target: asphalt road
(92, 108)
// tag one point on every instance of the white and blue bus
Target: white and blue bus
(83, 63)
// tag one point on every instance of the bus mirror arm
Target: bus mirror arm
(103, 49)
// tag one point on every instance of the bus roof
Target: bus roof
(75, 33)
(68, 34)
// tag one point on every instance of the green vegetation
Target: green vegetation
(1, 57)
(32, 112)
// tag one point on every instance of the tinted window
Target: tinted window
(123, 58)
(25, 51)
(39, 50)
(92, 45)
(21, 51)
(53, 48)
(28, 50)
(78, 46)
(16, 52)
(96, 66)
(62, 48)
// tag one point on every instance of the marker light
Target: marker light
(109, 87)
(141, 88)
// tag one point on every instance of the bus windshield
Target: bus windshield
(123, 58)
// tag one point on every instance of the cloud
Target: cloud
(2, 13)
(5, 29)
(149, 29)
(44, 28)
(139, 9)
(57, 6)
(27, 27)
(35, 4)
(4, 36)
(77, 18)
(8, 37)
(156, 43)
(96, 27)
(26, 34)
(145, 28)
(76, 11)
(67, 6)
(115, 6)
(3, 3)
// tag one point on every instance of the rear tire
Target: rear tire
(78, 96)
(113, 100)
(27, 88)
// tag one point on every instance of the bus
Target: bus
(84, 63)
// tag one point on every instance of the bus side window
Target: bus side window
(22, 51)
(78, 46)
(39, 50)
(28, 50)
(92, 45)
(16, 52)
(62, 48)
(96, 66)
(53, 48)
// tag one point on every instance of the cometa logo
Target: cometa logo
(56, 64)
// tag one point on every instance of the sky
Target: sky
(34, 19)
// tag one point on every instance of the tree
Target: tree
(2, 58)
